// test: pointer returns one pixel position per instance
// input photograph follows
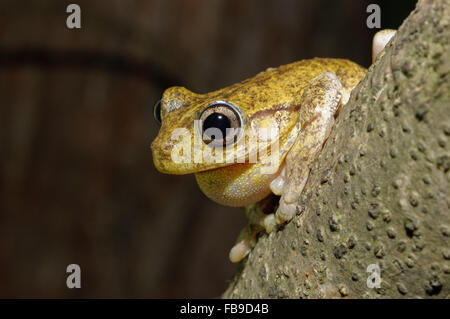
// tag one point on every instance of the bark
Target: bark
(379, 193)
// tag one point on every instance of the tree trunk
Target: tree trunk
(380, 192)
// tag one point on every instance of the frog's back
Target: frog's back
(348, 72)
(295, 76)
(285, 84)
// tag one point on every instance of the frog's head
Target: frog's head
(235, 125)
(194, 126)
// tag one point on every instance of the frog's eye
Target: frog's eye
(221, 123)
(157, 111)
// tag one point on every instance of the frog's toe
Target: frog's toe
(270, 223)
(285, 212)
(239, 251)
(380, 40)
(276, 186)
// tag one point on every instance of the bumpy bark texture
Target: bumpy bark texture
(380, 191)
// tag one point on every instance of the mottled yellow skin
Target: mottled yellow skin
(274, 90)
(300, 99)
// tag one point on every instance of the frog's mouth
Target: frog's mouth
(165, 161)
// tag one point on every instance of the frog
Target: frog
(298, 102)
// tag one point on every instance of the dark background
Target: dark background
(77, 182)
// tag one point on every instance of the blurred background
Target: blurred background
(77, 181)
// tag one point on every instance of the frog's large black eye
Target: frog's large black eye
(157, 112)
(220, 123)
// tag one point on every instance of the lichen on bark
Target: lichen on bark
(380, 191)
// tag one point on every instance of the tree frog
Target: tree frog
(298, 102)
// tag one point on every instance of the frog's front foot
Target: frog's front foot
(320, 102)
(287, 206)
(257, 215)
(260, 221)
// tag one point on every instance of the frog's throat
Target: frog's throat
(237, 185)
